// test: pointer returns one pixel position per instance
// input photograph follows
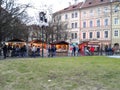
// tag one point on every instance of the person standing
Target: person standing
(74, 51)
(4, 51)
(38, 51)
(33, 51)
(92, 49)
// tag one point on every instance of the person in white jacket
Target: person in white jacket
(33, 51)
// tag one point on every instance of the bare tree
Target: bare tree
(59, 29)
(10, 12)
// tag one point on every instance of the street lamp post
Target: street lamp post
(42, 16)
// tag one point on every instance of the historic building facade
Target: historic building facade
(93, 21)
(96, 22)
(115, 22)
(70, 16)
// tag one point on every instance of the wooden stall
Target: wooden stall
(16, 42)
(62, 48)
(38, 43)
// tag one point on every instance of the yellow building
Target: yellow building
(115, 22)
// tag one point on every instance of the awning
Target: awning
(36, 41)
(60, 42)
(16, 40)
(93, 45)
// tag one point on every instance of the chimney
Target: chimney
(69, 3)
(75, 1)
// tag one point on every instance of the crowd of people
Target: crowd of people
(13, 51)
(25, 51)
(51, 50)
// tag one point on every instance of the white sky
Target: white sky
(52, 5)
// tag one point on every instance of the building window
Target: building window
(84, 35)
(90, 35)
(75, 35)
(66, 16)
(72, 25)
(84, 24)
(98, 23)
(106, 22)
(116, 33)
(72, 36)
(75, 24)
(106, 34)
(98, 34)
(116, 21)
(72, 15)
(91, 23)
(91, 12)
(76, 14)
(105, 10)
(98, 11)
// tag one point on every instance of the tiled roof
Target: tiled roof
(70, 8)
(85, 4)
(89, 3)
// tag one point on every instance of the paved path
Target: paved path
(114, 56)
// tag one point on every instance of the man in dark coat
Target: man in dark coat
(4, 50)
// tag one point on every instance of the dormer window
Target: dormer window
(90, 2)
(74, 6)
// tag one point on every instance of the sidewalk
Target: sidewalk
(114, 56)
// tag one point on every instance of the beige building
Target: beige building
(70, 16)
(115, 22)
(96, 22)
(93, 21)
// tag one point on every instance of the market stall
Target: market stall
(38, 43)
(62, 48)
(14, 47)
(15, 42)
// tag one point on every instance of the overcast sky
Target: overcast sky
(52, 5)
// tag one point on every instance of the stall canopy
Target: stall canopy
(16, 40)
(61, 45)
(60, 42)
(36, 41)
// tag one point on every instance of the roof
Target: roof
(36, 41)
(85, 4)
(16, 40)
(60, 42)
(70, 8)
(89, 3)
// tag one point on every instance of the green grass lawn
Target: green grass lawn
(64, 73)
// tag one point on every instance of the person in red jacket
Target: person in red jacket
(92, 49)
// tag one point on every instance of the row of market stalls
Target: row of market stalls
(18, 42)
(61, 46)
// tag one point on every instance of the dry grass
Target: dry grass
(65, 73)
